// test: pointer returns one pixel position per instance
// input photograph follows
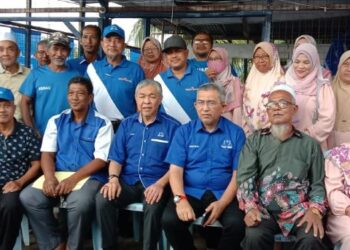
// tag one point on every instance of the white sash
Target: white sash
(103, 101)
(171, 106)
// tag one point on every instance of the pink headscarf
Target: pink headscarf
(308, 84)
(308, 38)
(231, 84)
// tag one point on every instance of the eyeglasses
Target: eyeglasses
(150, 49)
(205, 42)
(281, 104)
(210, 104)
(262, 58)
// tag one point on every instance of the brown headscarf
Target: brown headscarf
(152, 69)
(342, 96)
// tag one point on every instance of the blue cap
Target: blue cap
(6, 94)
(113, 29)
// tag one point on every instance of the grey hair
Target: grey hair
(149, 82)
(44, 41)
(213, 86)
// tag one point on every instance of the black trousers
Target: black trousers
(10, 219)
(262, 237)
(107, 215)
(178, 233)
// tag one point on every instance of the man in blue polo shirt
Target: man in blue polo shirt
(204, 157)
(90, 42)
(19, 164)
(114, 77)
(180, 81)
(74, 155)
(137, 172)
(45, 88)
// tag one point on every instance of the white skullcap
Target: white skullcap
(283, 87)
(8, 36)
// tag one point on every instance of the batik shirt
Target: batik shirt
(281, 179)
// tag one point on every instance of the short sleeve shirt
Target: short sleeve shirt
(17, 151)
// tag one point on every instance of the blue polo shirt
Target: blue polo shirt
(203, 65)
(77, 144)
(208, 159)
(80, 64)
(48, 90)
(185, 89)
(120, 82)
(141, 149)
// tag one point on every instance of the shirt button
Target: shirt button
(143, 154)
(144, 140)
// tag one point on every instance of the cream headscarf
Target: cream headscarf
(342, 96)
(308, 38)
(257, 89)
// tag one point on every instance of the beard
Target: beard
(280, 131)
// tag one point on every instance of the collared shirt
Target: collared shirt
(77, 144)
(48, 90)
(281, 177)
(80, 64)
(185, 89)
(120, 82)
(141, 149)
(203, 65)
(17, 151)
(208, 159)
(13, 82)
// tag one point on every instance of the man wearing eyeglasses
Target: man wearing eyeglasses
(280, 178)
(203, 158)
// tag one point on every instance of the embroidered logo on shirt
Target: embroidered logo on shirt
(226, 144)
(42, 88)
(160, 134)
(124, 79)
(193, 146)
(191, 89)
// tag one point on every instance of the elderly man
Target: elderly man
(137, 171)
(114, 77)
(180, 81)
(74, 154)
(280, 178)
(12, 74)
(45, 87)
(90, 42)
(204, 158)
(19, 164)
(41, 53)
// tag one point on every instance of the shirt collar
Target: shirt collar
(20, 69)
(267, 131)
(16, 128)
(188, 71)
(89, 117)
(83, 59)
(122, 63)
(199, 125)
(138, 117)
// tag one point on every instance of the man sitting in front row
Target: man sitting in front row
(280, 177)
(137, 172)
(76, 141)
(204, 157)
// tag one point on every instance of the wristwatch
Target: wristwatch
(179, 197)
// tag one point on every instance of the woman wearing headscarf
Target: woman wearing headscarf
(341, 89)
(218, 61)
(314, 94)
(337, 182)
(265, 72)
(151, 59)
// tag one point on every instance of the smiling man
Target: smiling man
(75, 141)
(45, 87)
(114, 77)
(203, 159)
(137, 171)
(280, 177)
(180, 82)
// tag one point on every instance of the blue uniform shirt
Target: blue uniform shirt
(48, 90)
(203, 65)
(77, 144)
(208, 159)
(120, 82)
(80, 64)
(141, 149)
(185, 89)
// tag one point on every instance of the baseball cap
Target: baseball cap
(58, 38)
(113, 29)
(283, 87)
(6, 94)
(174, 41)
(8, 36)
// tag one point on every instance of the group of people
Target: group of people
(170, 132)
